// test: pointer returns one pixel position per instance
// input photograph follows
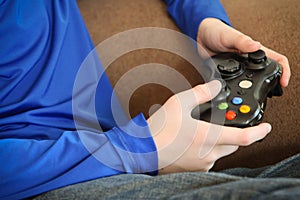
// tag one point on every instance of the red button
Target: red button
(230, 115)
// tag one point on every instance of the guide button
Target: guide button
(245, 84)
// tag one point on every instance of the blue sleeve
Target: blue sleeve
(43, 44)
(32, 166)
(188, 14)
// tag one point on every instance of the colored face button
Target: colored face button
(230, 115)
(245, 84)
(237, 100)
(245, 109)
(223, 106)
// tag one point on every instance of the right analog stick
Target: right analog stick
(257, 57)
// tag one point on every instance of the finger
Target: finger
(225, 150)
(237, 41)
(283, 61)
(221, 151)
(217, 153)
(200, 94)
(244, 137)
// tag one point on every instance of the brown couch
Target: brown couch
(275, 23)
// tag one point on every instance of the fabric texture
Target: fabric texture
(44, 44)
(281, 181)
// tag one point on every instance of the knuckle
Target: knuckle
(282, 58)
(243, 38)
(285, 58)
(235, 148)
(212, 158)
(209, 166)
(202, 91)
(245, 139)
(173, 99)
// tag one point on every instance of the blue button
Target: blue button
(237, 100)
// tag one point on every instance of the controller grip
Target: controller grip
(200, 109)
(209, 113)
(277, 91)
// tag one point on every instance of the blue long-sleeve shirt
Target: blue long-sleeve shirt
(42, 46)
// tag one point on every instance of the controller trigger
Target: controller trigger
(277, 91)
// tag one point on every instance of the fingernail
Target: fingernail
(223, 83)
(256, 44)
(215, 85)
(268, 127)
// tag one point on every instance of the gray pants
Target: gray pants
(280, 181)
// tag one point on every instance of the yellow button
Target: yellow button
(245, 109)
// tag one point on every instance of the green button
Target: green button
(223, 106)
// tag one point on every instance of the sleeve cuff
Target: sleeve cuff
(135, 146)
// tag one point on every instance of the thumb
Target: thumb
(200, 94)
(241, 42)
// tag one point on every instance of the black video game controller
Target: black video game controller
(247, 82)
